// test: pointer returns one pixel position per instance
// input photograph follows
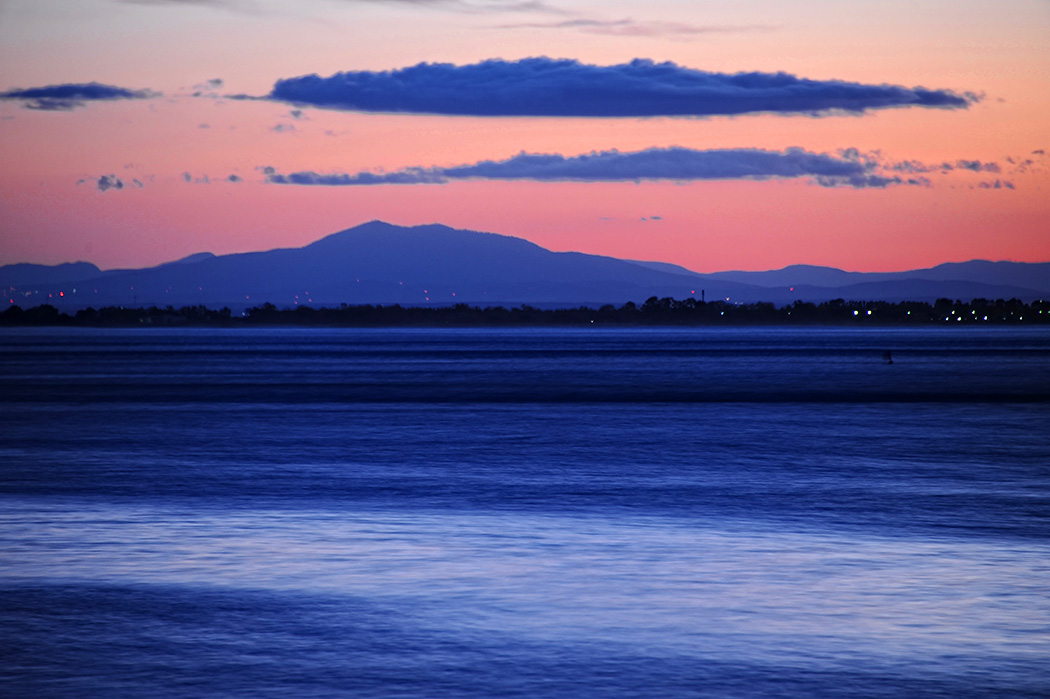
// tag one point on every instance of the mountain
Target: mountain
(1023, 276)
(376, 263)
(379, 263)
(25, 274)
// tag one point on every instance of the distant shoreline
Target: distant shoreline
(654, 312)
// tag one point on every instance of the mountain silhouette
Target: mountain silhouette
(380, 263)
(1020, 275)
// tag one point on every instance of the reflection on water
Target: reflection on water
(663, 582)
(481, 513)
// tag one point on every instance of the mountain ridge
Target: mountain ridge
(382, 263)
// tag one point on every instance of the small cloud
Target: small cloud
(235, 178)
(996, 184)
(69, 96)
(911, 167)
(203, 126)
(108, 182)
(918, 169)
(283, 128)
(1035, 162)
(977, 166)
(208, 88)
(105, 183)
(187, 177)
(296, 114)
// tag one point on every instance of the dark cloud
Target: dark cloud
(567, 88)
(235, 178)
(675, 164)
(108, 182)
(72, 95)
(977, 166)
(407, 176)
(996, 184)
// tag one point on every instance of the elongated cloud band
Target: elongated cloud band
(566, 88)
(675, 164)
(72, 95)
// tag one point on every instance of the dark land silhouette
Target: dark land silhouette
(655, 311)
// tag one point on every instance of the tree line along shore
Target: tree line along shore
(655, 311)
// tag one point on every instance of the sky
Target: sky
(869, 136)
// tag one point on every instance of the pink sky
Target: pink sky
(52, 209)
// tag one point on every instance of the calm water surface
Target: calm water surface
(514, 512)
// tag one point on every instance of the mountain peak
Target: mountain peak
(390, 237)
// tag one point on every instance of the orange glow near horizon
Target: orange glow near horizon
(53, 211)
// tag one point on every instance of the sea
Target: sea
(523, 512)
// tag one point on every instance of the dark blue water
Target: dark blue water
(535, 513)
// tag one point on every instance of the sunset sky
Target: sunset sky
(870, 136)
